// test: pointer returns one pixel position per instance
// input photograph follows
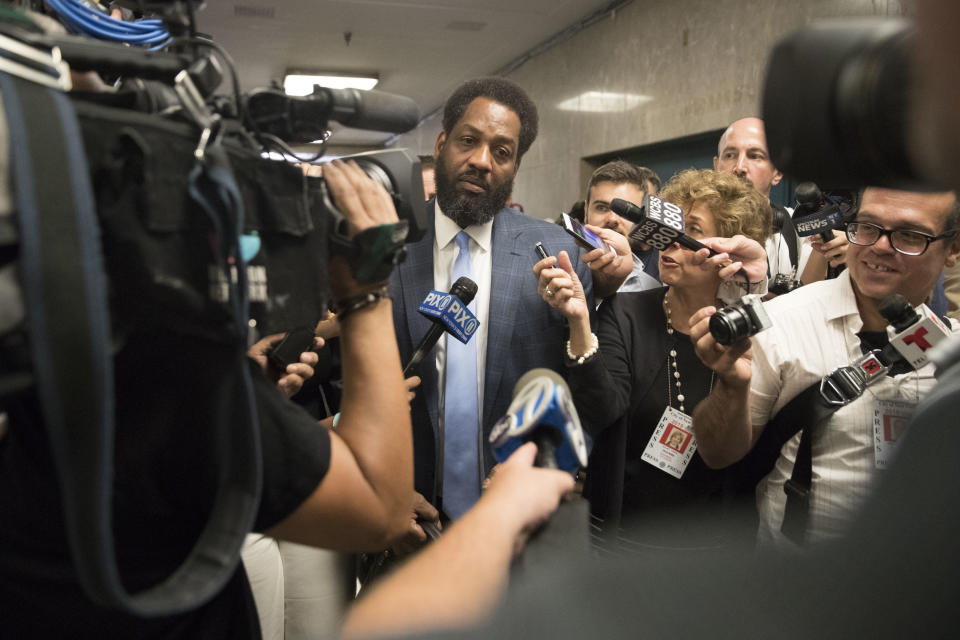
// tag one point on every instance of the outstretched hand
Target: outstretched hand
(524, 496)
(363, 202)
(609, 268)
(733, 254)
(291, 380)
(733, 364)
(834, 251)
(415, 537)
(560, 287)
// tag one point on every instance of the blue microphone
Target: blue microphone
(453, 312)
(542, 410)
(449, 313)
(818, 213)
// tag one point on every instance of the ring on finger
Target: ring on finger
(548, 291)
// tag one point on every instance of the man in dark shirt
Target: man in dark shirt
(347, 489)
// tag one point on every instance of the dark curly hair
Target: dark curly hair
(621, 172)
(500, 90)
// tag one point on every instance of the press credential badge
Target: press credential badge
(890, 420)
(672, 444)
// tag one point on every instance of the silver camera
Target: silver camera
(742, 319)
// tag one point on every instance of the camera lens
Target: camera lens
(835, 104)
(376, 173)
(729, 325)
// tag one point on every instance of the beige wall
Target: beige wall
(702, 62)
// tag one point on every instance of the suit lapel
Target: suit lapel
(416, 278)
(506, 280)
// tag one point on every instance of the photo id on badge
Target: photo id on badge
(890, 420)
(672, 444)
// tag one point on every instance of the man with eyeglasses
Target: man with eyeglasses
(900, 242)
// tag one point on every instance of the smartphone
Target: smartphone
(288, 350)
(583, 236)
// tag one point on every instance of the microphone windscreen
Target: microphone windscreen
(626, 209)
(539, 373)
(377, 110)
(465, 289)
(897, 311)
(808, 193)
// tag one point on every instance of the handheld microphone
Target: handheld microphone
(449, 312)
(657, 223)
(818, 214)
(913, 331)
(302, 119)
(542, 410)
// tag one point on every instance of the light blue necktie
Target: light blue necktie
(461, 475)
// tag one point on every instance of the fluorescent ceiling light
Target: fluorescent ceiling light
(301, 83)
(603, 102)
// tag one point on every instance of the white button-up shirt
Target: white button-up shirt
(814, 332)
(444, 255)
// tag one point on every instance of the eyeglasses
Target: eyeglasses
(905, 241)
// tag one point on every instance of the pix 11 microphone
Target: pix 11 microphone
(913, 331)
(542, 410)
(657, 223)
(449, 312)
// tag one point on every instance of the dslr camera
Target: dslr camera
(782, 283)
(742, 319)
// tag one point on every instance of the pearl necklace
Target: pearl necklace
(672, 362)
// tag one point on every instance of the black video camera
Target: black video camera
(835, 104)
(147, 239)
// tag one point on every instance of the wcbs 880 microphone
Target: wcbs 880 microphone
(449, 312)
(657, 223)
(542, 410)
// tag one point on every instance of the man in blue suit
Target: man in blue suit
(488, 124)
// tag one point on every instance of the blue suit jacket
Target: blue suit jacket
(523, 333)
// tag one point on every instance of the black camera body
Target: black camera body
(783, 283)
(742, 319)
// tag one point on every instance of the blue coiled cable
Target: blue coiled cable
(82, 19)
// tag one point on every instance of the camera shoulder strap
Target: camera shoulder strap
(803, 413)
(65, 294)
(806, 412)
(788, 232)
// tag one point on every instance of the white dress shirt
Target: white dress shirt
(444, 255)
(814, 332)
(638, 280)
(778, 254)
